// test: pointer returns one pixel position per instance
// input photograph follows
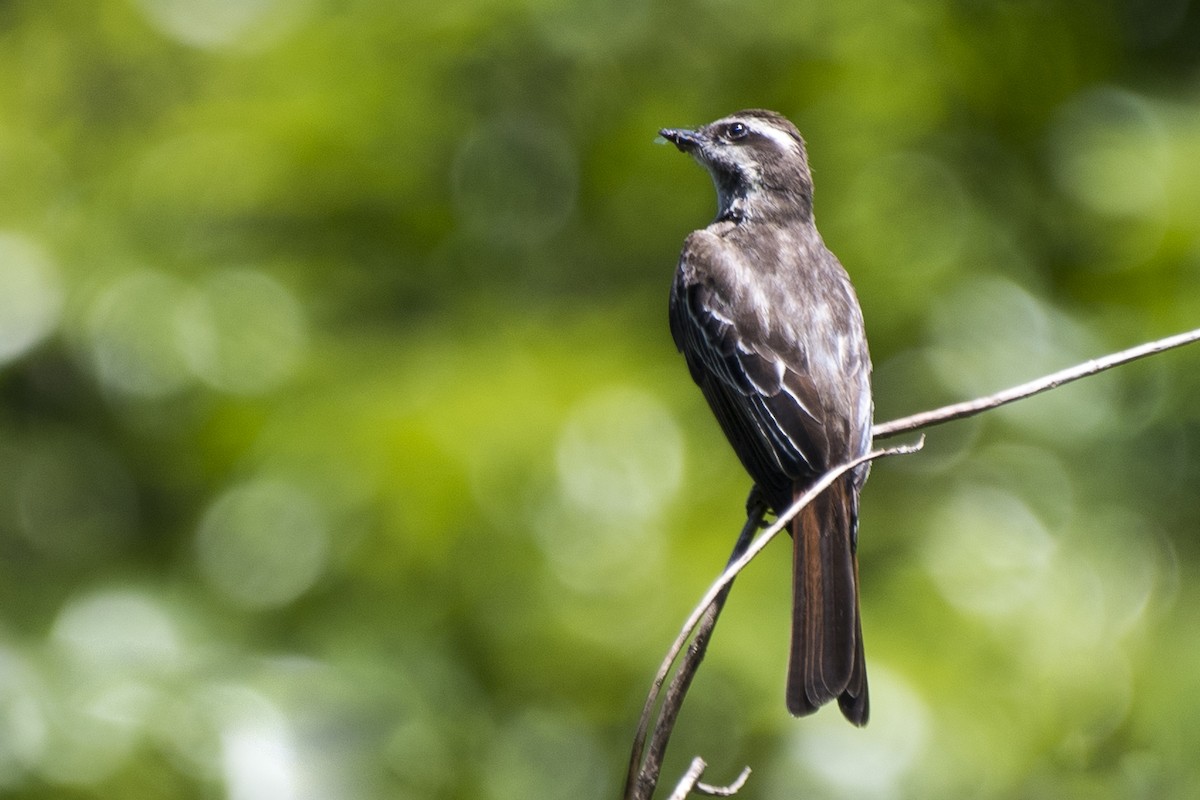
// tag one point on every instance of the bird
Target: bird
(772, 332)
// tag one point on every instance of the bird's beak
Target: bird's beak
(687, 141)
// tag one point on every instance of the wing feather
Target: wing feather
(766, 408)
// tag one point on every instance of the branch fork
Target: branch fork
(645, 762)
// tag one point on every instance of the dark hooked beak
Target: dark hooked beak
(686, 141)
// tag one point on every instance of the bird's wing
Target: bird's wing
(767, 407)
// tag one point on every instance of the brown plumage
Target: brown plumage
(772, 333)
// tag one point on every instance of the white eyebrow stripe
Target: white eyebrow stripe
(781, 138)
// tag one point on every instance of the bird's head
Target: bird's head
(756, 159)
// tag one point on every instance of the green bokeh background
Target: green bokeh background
(344, 452)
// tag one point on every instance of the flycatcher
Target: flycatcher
(773, 334)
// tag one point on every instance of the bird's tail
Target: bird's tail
(827, 651)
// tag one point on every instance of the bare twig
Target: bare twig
(724, 791)
(643, 773)
(972, 407)
(640, 782)
(691, 781)
(782, 521)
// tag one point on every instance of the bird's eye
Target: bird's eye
(737, 130)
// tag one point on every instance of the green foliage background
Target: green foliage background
(344, 452)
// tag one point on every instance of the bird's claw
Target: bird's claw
(756, 505)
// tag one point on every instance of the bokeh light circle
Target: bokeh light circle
(133, 336)
(242, 332)
(31, 295)
(263, 543)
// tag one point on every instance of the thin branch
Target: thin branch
(782, 521)
(643, 772)
(640, 782)
(972, 407)
(689, 779)
(673, 702)
(724, 791)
